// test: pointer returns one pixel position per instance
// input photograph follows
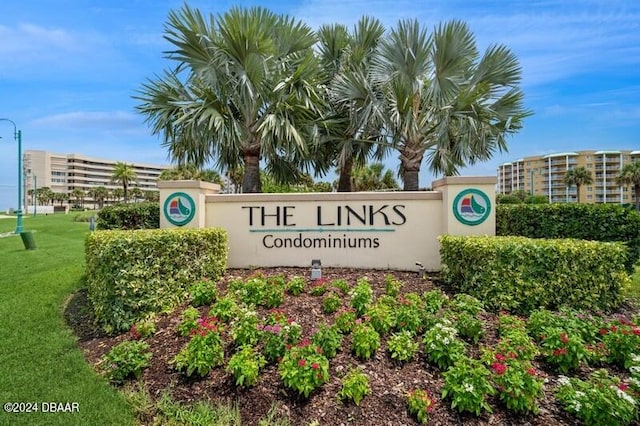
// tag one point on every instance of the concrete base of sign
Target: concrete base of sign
(379, 230)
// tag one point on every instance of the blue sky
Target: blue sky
(69, 68)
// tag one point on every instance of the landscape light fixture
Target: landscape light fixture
(316, 269)
(17, 134)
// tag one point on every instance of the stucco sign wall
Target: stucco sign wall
(364, 230)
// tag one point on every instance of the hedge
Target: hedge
(131, 274)
(520, 274)
(144, 215)
(599, 222)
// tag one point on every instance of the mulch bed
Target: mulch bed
(389, 381)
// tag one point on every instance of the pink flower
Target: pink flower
(501, 358)
(623, 387)
(315, 366)
(561, 351)
(532, 371)
(499, 368)
(564, 338)
(302, 363)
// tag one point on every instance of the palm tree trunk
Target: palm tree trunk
(636, 188)
(251, 178)
(410, 178)
(124, 187)
(578, 192)
(410, 159)
(344, 181)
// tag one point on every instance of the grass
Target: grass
(39, 357)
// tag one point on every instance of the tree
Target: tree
(99, 195)
(578, 176)
(190, 172)
(373, 177)
(353, 127)
(443, 101)
(630, 175)
(60, 197)
(117, 194)
(124, 174)
(136, 193)
(79, 195)
(151, 195)
(244, 90)
(44, 195)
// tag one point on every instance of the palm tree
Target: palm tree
(190, 172)
(151, 196)
(373, 177)
(79, 195)
(60, 197)
(99, 195)
(354, 122)
(117, 194)
(136, 193)
(244, 90)
(125, 174)
(578, 176)
(630, 175)
(445, 102)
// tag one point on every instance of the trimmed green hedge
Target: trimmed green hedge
(520, 274)
(145, 215)
(131, 274)
(599, 222)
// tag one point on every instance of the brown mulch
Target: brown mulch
(389, 381)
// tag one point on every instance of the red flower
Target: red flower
(499, 368)
(318, 350)
(603, 331)
(636, 331)
(135, 334)
(315, 366)
(501, 358)
(532, 371)
(561, 351)
(304, 342)
(623, 387)
(564, 338)
(302, 363)
(614, 328)
(512, 355)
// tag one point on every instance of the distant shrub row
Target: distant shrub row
(521, 274)
(599, 222)
(131, 274)
(144, 215)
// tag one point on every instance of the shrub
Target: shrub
(129, 216)
(225, 308)
(467, 384)
(331, 303)
(599, 222)
(420, 404)
(304, 368)
(361, 296)
(245, 366)
(402, 347)
(296, 285)
(564, 351)
(143, 329)
(188, 321)
(328, 339)
(622, 341)
(203, 352)
(365, 341)
(131, 274)
(518, 384)
(244, 328)
(127, 359)
(203, 292)
(442, 345)
(521, 274)
(355, 386)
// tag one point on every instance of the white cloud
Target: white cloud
(84, 119)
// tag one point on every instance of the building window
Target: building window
(589, 188)
(589, 197)
(588, 157)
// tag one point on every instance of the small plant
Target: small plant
(355, 386)
(392, 286)
(466, 303)
(622, 340)
(204, 292)
(381, 316)
(341, 285)
(273, 292)
(469, 326)
(224, 308)
(539, 321)
(408, 317)
(188, 321)
(142, 329)
(319, 288)
(251, 291)
(468, 384)
(345, 320)
(296, 285)
(434, 300)
(365, 340)
(442, 345)
(518, 383)
(127, 359)
(361, 296)
(402, 346)
(420, 404)
(328, 339)
(244, 328)
(330, 303)
(203, 352)
(245, 366)
(564, 351)
(304, 368)
(602, 400)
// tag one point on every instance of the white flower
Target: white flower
(468, 387)
(576, 405)
(563, 380)
(634, 369)
(580, 394)
(445, 341)
(635, 358)
(622, 394)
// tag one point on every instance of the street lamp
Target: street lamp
(17, 134)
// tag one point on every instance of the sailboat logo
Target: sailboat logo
(471, 207)
(179, 208)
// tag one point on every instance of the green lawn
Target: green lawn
(39, 357)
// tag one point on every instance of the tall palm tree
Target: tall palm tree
(79, 195)
(124, 174)
(244, 90)
(373, 177)
(354, 119)
(118, 194)
(99, 195)
(136, 193)
(443, 100)
(190, 172)
(578, 176)
(630, 175)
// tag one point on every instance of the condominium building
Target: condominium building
(544, 175)
(64, 173)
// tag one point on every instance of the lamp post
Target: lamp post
(17, 134)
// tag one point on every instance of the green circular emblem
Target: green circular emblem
(471, 207)
(179, 208)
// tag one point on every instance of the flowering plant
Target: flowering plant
(203, 292)
(564, 351)
(355, 386)
(244, 328)
(224, 308)
(303, 368)
(401, 346)
(392, 286)
(329, 339)
(296, 285)
(622, 340)
(245, 366)
(408, 316)
(330, 303)
(203, 352)
(434, 300)
(142, 329)
(319, 288)
(442, 345)
(345, 320)
(188, 321)
(279, 332)
(365, 340)
(361, 296)
(381, 315)
(341, 285)
(467, 384)
(420, 404)
(468, 325)
(466, 303)
(602, 400)
(518, 383)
